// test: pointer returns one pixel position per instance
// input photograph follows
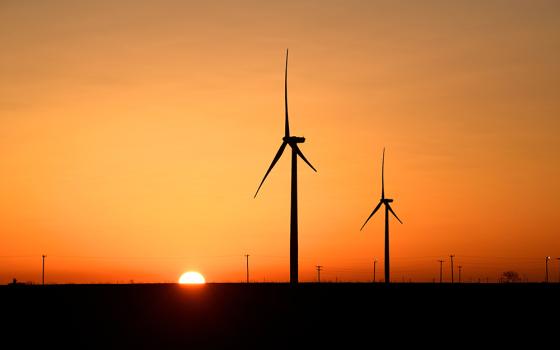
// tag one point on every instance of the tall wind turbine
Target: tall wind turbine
(384, 201)
(292, 141)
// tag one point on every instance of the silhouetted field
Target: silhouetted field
(274, 315)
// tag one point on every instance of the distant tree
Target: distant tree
(510, 277)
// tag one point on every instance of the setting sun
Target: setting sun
(192, 277)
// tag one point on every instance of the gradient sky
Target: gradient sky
(133, 135)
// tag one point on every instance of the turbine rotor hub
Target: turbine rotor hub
(293, 139)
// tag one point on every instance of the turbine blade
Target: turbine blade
(300, 153)
(373, 212)
(287, 124)
(276, 157)
(383, 175)
(392, 212)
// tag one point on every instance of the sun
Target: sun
(191, 277)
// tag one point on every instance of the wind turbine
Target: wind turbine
(384, 201)
(292, 141)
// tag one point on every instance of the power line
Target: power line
(144, 257)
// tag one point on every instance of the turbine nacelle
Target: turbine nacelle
(386, 200)
(293, 139)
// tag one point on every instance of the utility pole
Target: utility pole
(441, 270)
(375, 268)
(546, 275)
(319, 268)
(247, 258)
(43, 275)
(460, 267)
(452, 256)
(558, 269)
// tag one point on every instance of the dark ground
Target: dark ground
(270, 315)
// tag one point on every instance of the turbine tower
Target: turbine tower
(292, 141)
(384, 201)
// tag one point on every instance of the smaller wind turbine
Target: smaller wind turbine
(384, 201)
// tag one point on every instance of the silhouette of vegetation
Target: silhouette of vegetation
(510, 277)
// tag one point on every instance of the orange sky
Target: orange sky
(134, 134)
